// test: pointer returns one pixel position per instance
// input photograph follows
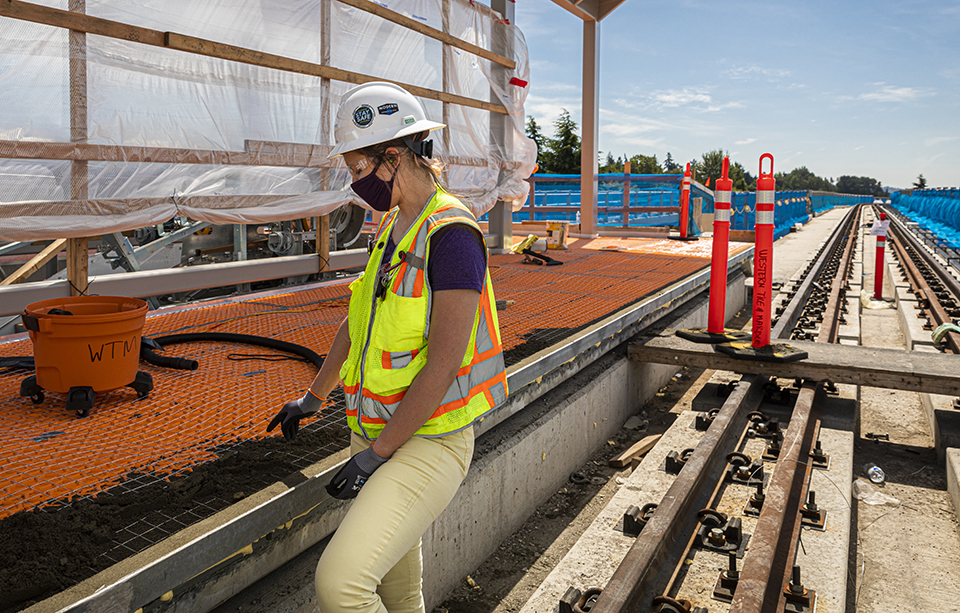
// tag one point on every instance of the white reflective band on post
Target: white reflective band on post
(721, 215)
(764, 217)
(686, 182)
(723, 196)
(765, 197)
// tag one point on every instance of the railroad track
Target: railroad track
(730, 459)
(698, 525)
(936, 288)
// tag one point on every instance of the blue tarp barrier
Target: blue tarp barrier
(551, 190)
(935, 210)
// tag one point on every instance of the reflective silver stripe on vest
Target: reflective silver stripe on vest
(764, 217)
(461, 386)
(721, 215)
(722, 196)
(765, 197)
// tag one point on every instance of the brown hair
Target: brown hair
(431, 167)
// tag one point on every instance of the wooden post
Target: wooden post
(446, 77)
(500, 217)
(532, 200)
(77, 266)
(323, 241)
(322, 224)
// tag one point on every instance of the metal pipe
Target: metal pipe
(158, 282)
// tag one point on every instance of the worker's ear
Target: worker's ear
(392, 155)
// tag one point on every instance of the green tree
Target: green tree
(669, 166)
(742, 180)
(645, 165)
(802, 179)
(920, 183)
(710, 166)
(536, 135)
(859, 185)
(562, 155)
(611, 165)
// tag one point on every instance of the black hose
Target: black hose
(163, 361)
(25, 362)
(248, 339)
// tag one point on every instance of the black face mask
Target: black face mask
(375, 191)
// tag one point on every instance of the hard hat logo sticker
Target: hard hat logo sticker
(388, 109)
(363, 115)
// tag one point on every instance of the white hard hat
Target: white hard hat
(375, 113)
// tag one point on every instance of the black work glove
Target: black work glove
(349, 479)
(290, 415)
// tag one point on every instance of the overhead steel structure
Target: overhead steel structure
(591, 12)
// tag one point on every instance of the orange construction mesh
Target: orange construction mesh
(50, 455)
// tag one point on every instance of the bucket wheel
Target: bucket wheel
(81, 399)
(143, 384)
(29, 388)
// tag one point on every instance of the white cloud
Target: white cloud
(697, 99)
(681, 97)
(720, 107)
(888, 93)
(756, 72)
(745, 141)
(939, 140)
(555, 86)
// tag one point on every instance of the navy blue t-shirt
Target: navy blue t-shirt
(457, 258)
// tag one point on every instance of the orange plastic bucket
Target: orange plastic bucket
(97, 345)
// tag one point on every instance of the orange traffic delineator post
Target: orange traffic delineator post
(760, 348)
(880, 231)
(83, 345)
(685, 206)
(715, 331)
(763, 255)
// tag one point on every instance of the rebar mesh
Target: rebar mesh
(52, 457)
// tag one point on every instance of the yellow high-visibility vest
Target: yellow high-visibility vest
(389, 333)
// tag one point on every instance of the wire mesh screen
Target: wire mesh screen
(197, 444)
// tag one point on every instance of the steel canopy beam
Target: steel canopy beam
(587, 10)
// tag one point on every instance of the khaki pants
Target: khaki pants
(373, 563)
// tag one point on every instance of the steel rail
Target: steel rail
(711, 504)
(772, 551)
(788, 319)
(920, 285)
(773, 544)
(943, 271)
(661, 547)
(932, 245)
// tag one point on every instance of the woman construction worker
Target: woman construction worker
(419, 356)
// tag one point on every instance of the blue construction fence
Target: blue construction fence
(557, 198)
(937, 211)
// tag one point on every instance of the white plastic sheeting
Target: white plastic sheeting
(147, 96)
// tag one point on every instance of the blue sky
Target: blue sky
(843, 88)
